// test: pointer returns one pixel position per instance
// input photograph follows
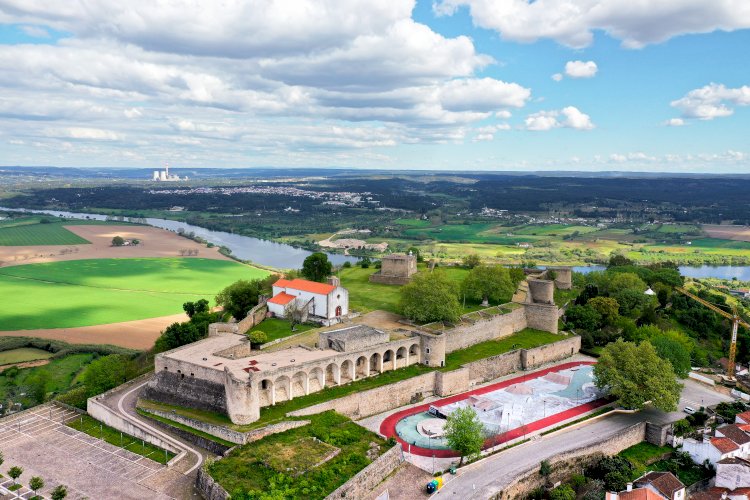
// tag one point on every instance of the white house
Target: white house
(324, 302)
(713, 449)
(652, 486)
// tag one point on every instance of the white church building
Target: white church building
(322, 302)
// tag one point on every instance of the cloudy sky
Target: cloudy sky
(655, 85)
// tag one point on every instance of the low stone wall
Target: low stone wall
(494, 367)
(388, 280)
(368, 478)
(107, 416)
(208, 488)
(218, 431)
(273, 429)
(254, 316)
(452, 382)
(531, 358)
(366, 403)
(190, 437)
(497, 326)
(570, 462)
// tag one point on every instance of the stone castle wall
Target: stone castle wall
(542, 317)
(193, 392)
(362, 484)
(374, 401)
(531, 358)
(497, 326)
(388, 280)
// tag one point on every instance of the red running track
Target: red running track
(388, 426)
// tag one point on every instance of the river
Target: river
(283, 256)
(263, 252)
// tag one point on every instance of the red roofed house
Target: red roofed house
(712, 449)
(742, 418)
(324, 302)
(652, 486)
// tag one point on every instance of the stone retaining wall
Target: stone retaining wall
(494, 367)
(494, 327)
(571, 462)
(368, 478)
(218, 431)
(531, 358)
(208, 488)
(190, 437)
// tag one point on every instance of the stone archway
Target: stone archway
(389, 360)
(316, 380)
(346, 372)
(266, 393)
(282, 389)
(376, 364)
(363, 368)
(413, 354)
(300, 385)
(333, 375)
(402, 358)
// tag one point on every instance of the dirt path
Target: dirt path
(139, 334)
(155, 242)
(25, 364)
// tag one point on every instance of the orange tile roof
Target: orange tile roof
(281, 299)
(640, 494)
(745, 416)
(306, 286)
(724, 445)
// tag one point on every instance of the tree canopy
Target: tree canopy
(317, 267)
(464, 432)
(487, 283)
(108, 372)
(635, 375)
(430, 297)
(241, 296)
(118, 241)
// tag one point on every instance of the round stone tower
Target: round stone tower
(433, 349)
(542, 291)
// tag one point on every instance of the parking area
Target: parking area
(39, 441)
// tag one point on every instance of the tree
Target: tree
(464, 432)
(607, 307)
(472, 260)
(38, 386)
(192, 308)
(487, 283)
(257, 337)
(626, 281)
(316, 267)
(617, 260)
(176, 335)
(365, 262)
(674, 352)
(635, 374)
(108, 372)
(59, 493)
(563, 492)
(118, 241)
(241, 296)
(583, 317)
(15, 472)
(415, 251)
(36, 483)
(430, 297)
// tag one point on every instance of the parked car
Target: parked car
(689, 410)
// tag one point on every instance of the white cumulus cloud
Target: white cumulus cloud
(568, 117)
(712, 101)
(572, 22)
(581, 69)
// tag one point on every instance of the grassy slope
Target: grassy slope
(23, 354)
(98, 291)
(60, 374)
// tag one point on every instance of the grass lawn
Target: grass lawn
(27, 231)
(365, 296)
(525, 339)
(94, 428)
(23, 354)
(646, 457)
(276, 328)
(99, 291)
(282, 465)
(644, 454)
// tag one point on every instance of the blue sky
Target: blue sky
(455, 84)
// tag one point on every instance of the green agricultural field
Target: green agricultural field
(552, 229)
(23, 354)
(28, 231)
(59, 375)
(99, 291)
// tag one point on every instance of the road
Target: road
(484, 479)
(181, 483)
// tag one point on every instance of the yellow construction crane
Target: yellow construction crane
(733, 317)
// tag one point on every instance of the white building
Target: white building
(325, 302)
(712, 449)
(652, 486)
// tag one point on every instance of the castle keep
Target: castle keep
(223, 374)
